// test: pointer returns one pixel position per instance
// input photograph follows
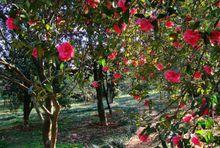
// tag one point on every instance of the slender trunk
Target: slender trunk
(56, 113)
(111, 92)
(99, 92)
(107, 99)
(47, 125)
(101, 109)
(28, 106)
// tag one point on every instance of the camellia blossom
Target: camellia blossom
(215, 37)
(159, 66)
(10, 23)
(122, 4)
(143, 138)
(126, 69)
(187, 118)
(66, 51)
(195, 140)
(123, 26)
(177, 45)
(145, 24)
(169, 24)
(133, 11)
(117, 75)
(182, 105)
(31, 23)
(176, 139)
(197, 75)
(95, 84)
(119, 29)
(105, 68)
(146, 103)
(35, 53)
(206, 112)
(136, 97)
(172, 76)
(112, 55)
(93, 3)
(191, 37)
(208, 69)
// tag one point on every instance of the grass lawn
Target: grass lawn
(77, 127)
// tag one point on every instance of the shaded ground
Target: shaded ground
(77, 127)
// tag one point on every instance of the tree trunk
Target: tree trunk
(99, 93)
(107, 99)
(47, 124)
(28, 106)
(109, 93)
(56, 113)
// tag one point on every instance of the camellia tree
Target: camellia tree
(173, 46)
(170, 45)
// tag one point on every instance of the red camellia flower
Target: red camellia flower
(208, 69)
(215, 37)
(107, 30)
(105, 68)
(191, 37)
(126, 69)
(112, 55)
(169, 24)
(143, 138)
(176, 139)
(66, 51)
(31, 23)
(197, 75)
(35, 53)
(95, 84)
(146, 103)
(136, 97)
(10, 23)
(159, 66)
(206, 112)
(182, 105)
(145, 24)
(122, 4)
(187, 118)
(126, 61)
(195, 140)
(178, 29)
(177, 45)
(119, 29)
(133, 11)
(172, 76)
(204, 101)
(117, 75)
(93, 3)
(123, 26)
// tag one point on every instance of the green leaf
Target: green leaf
(201, 123)
(148, 2)
(214, 99)
(62, 66)
(102, 62)
(188, 69)
(48, 87)
(28, 4)
(206, 134)
(209, 123)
